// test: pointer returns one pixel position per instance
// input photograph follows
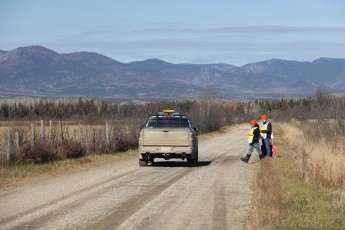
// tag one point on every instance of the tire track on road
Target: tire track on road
(80, 192)
(127, 209)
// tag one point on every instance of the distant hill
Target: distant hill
(39, 72)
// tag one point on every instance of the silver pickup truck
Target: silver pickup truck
(168, 135)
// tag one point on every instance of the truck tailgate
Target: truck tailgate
(166, 136)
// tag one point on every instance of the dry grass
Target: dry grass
(268, 201)
(268, 208)
(286, 200)
(320, 161)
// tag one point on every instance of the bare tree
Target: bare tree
(323, 99)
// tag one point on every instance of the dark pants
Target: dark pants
(267, 144)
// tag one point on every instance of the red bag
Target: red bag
(273, 148)
(274, 151)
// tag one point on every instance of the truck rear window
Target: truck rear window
(162, 122)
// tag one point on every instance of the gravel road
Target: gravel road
(167, 195)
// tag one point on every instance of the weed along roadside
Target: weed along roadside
(284, 200)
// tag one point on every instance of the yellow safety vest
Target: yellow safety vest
(251, 134)
(263, 127)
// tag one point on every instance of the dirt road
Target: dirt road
(166, 195)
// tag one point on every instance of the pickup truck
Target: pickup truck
(168, 135)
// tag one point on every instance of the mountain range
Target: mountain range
(35, 71)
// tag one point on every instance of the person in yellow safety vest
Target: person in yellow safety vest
(266, 134)
(253, 140)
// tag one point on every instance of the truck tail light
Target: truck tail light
(141, 138)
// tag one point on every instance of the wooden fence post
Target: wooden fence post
(107, 133)
(93, 139)
(81, 136)
(74, 136)
(42, 132)
(9, 147)
(33, 137)
(111, 137)
(114, 139)
(51, 136)
(87, 141)
(67, 134)
(100, 140)
(17, 141)
(61, 132)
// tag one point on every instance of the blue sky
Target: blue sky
(179, 31)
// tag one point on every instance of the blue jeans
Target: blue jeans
(252, 147)
(267, 144)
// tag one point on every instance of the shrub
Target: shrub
(40, 153)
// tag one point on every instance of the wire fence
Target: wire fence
(40, 142)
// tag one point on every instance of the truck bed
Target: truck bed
(166, 137)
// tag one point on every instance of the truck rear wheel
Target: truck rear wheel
(196, 156)
(142, 162)
(192, 162)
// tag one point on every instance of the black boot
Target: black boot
(261, 156)
(246, 159)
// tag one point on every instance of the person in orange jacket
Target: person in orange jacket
(266, 134)
(253, 140)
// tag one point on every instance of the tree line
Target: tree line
(206, 111)
(322, 106)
